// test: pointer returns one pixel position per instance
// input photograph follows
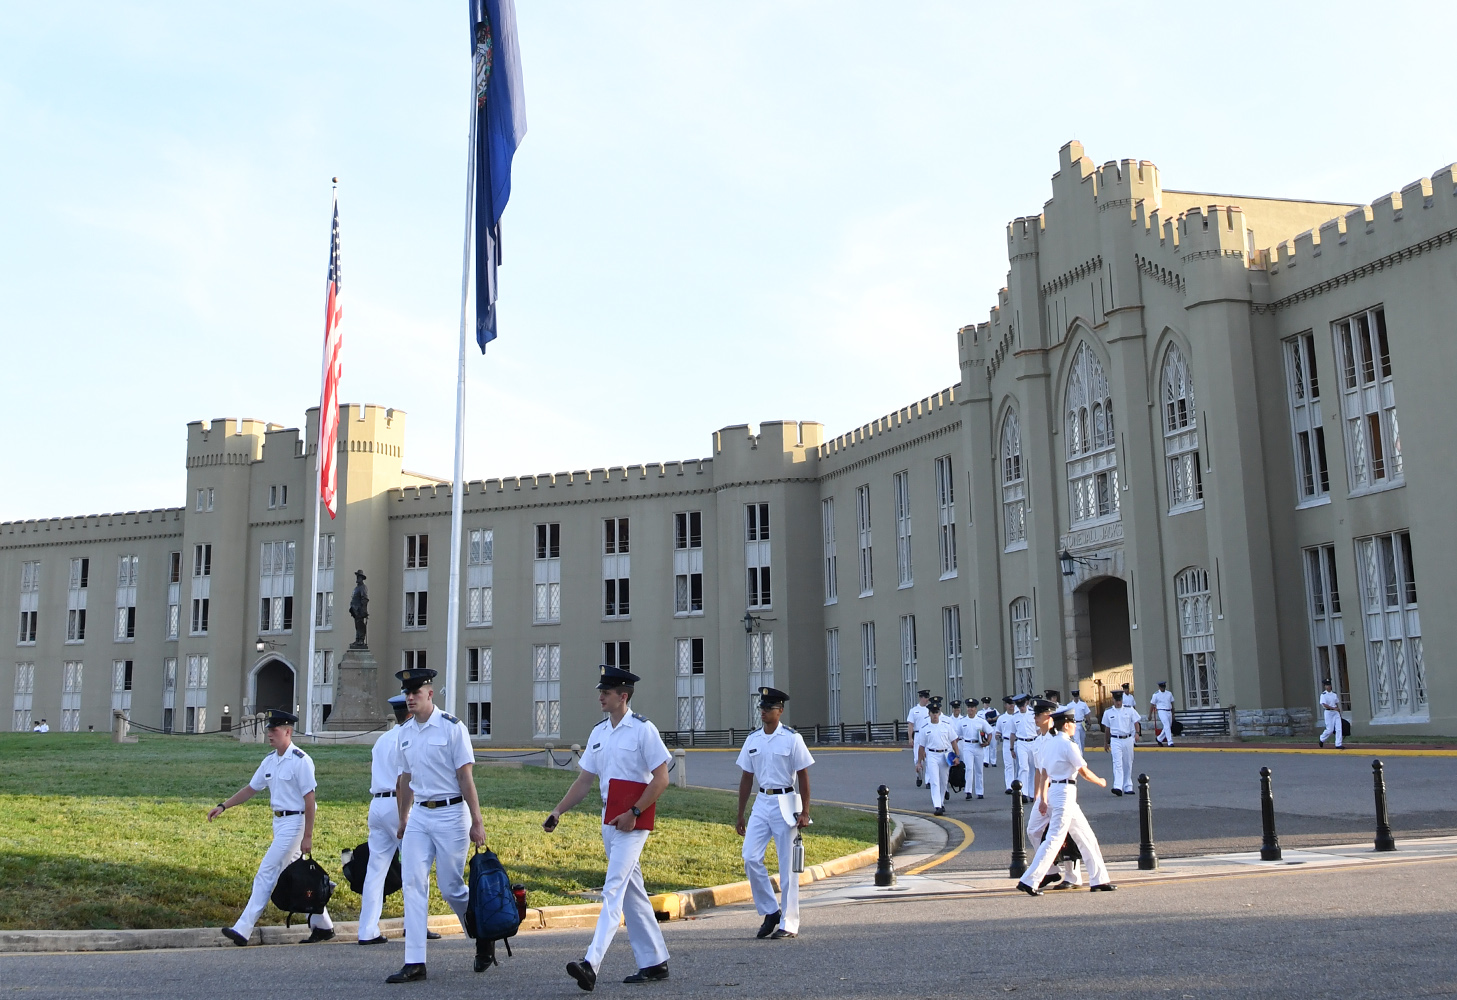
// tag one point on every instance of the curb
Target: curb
(667, 906)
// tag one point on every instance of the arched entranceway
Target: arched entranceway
(1104, 640)
(273, 686)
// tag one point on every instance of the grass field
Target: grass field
(94, 834)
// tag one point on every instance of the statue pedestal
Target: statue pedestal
(357, 704)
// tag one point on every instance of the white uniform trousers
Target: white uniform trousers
(937, 771)
(989, 753)
(1066, 819)
(767, 821)
(1166, 723)
(975, 780)
(288, 833)
(1081, 735)
(1121, 750)
(624, 897)
(1009, 766)
(442, 836)
(384, 823)
(1037, 823)
(1024, 765)
(1332, 725)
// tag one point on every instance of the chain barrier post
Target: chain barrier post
(1384, 840)
(884, 868)
(1270, 848)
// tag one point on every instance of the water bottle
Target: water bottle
(519, 891)
(797, 854)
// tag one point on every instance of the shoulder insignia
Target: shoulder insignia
(449, 718)
(639, 717)
(297, 752)
(791, 730)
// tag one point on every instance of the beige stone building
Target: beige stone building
(1192, 396)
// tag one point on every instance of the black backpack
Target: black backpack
(357, 867)
(303, 887)
(494, 909)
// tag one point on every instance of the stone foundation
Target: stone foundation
(1254, 723)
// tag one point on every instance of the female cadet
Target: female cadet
(1057, 795)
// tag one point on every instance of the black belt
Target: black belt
(384, 795)
(287, 812)
(1129, 736)
(776, 791)
(442, 803)
(1024, 739)
(937, 749)
(1062, 781)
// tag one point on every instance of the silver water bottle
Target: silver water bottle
(796, 854)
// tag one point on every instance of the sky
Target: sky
(721, 213)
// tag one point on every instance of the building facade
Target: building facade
(1192, 399)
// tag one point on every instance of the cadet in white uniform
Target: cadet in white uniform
(438, 812)
(1121, 727)
(915, 719)
(975, 734)
(775, 760)
(384, 824)
(938, 737)
(1161, 706)
(1063, 764)
(1081, 711)
(288, 774)
(1026, 732)
(1007, 734)
(1331, 703)
(624, 746)
(987, 713)
(1128, 700)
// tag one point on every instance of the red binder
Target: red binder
(621, 797)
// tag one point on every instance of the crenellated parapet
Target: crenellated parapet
(923, 416)
(92, 527)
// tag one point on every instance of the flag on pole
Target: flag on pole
(333, 368)
(500, 125)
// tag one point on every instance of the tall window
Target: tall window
(908, 662)
(71, 696)
(206, 498)
(688, 659)
(1181, 434)
(169, 692)
(174, 594)
(76, 600)
(1092, 455)
(1014, 485)
(616, 569)
(121, 686)
(479, 576)
(417, 582)
(201, 588)
(1196, 638)
(546, 690)
(323, 681)
(194, 695)
(547, 575)
(761, 669)
(867, 667)
(478, 690)
(951, 644)
(277, 496)
(688, 563)
(1393, 627)
(862, 521)
(1327, 634)
(832, 669)
(1022, 660)
(414, 659)
(1302, 385)
(617, 653)
(324, 596)
(901, 487)
(29, 602)
(827, 528)
(126, 598)
(20, 721)
(275, 587)
(756, 554)
(946, 517)
(1368, 401)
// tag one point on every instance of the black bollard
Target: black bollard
(884, 869)
(1270, 848)
(1384, 840)
(1148, 859)
(1019, 833)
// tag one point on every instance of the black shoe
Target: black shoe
(431, 935)
(781, 934)
(1104, 887)
(939, 812)
(1117, 791)
(1028, 889)
(1320, 743)
(1065, 884)
(770, 922)
(1026, 798)
(235, 937)
(968, 796)
(319, 934)
(981, 796)
(919, 782)
(377, 940)
(1007, 792)
(654, 973)
(946, 797)
(1049, 878)
(410, 972)
(485, 955)
(583, 973)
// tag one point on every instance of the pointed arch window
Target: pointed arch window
(1014, 485)
(1092, 458)
(1181, 434)
(1196, 638)
(1023, 662)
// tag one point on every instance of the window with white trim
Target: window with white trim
(1393, 628)
(478, 691)
(1368, 401)
(1302, 387)
(945, 517)
(901, 491)
(29, 603)
(1185, 480)
(688, 662)
(1092, 454)
(546, 690)
(1196, 638)
(323, 702)
(908, 662)
(194, 694)
(20, 721)
(324, 596)
(761, 670)
(416, 612)
(201, 588)
(126, 598)
(174, 594)
(547, 576)
(479, 583)
(1023, 663)
(1327, 631)
(206, 498)
(827, 528)
(616, 569)
(414, 659)
(617, 653)
(71, 696)
(868, 669)
(687, 563)
(757, 555)
(862, 522)
(832, 670)
(275, 586)
(121, 687)
(1014, 485)
(169, 692)
(76, 600)
(951, 647)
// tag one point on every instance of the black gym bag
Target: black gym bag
(357, 867)
(957, 778)
(303, 887)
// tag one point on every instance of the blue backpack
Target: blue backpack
(492, 911)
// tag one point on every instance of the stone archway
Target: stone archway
(273, 686)
(1103, 640)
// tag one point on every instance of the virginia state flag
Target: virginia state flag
(500, 124)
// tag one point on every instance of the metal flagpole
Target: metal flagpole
(457, 490)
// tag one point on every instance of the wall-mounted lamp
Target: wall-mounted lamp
(1070, 562)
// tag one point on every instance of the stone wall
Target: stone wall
(1256, 722)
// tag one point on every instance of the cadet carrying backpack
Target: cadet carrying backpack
(357, 867)
(303, 887)
(493, 911)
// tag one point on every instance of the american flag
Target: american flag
(333, 368)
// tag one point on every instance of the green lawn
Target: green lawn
(93, 834)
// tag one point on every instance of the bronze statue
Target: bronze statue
(359, 611)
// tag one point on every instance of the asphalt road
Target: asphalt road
(1205, 802)
(1351, 933)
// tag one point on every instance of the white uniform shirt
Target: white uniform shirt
(432, 753)
(1129, 701)
(975, 728)
(1162, 701)
(288, 779)
(1006, 725)
(629, 751)
(1120, 721)
(774, 758)
(1330, 701)
(918, 716)
(1038, 745)
(1081, 711)
(1026, 725)
(937, 737)
(384, 762)
(1060, 757)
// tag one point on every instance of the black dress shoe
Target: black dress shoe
(235, 937)
(920, 782)
(410, 972)
(1117, 791)
(319, 934)
(431, 935)
(655, 973)
(583, 973)
(1007, 792)
(938, 811)
(485, 955)
(1104, 887)
(981, 796)
(781, 933)
(1028, 889)
(377, 940)
(968, 796)
(1065, 884)
(1026, 798)
(770, 922)
(1049, 878)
